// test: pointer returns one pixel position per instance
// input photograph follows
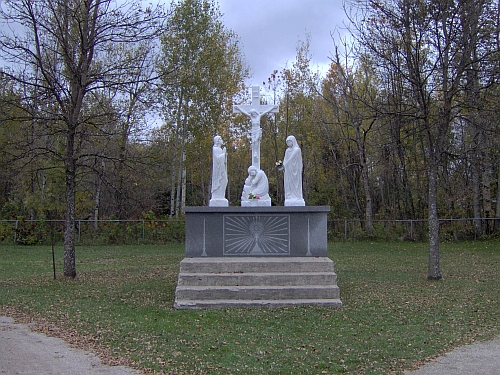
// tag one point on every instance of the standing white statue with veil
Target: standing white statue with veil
(219, 174)
(292, 163)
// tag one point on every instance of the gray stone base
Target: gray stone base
(252, 282)
(256, 231)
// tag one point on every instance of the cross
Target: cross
(255, 111)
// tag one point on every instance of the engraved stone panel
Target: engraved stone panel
(256, 235)
(256, 231)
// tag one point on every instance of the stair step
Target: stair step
(257, 278)
(220, 304)
(257, 292)
(256, 264)
(256, 281)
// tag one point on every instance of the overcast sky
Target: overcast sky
(269, 31)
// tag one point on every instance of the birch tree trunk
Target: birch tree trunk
(183, 188)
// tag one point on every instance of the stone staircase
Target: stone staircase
(256, 281)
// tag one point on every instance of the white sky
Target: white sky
(269, 31)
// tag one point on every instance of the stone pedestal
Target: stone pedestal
(256, 256)
(214, 202)
(256, 231)
(295, 202)
(263, 202)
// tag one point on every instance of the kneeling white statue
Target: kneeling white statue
(256, 189)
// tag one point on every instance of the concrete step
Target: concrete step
(257, 292)
(256, 281)
(256, 264)
(257, 278)
(220, 304)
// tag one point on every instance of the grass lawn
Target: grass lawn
(393, 318)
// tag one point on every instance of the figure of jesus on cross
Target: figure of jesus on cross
(255, 111)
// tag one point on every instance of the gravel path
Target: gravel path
(25, 352)
(482, 358)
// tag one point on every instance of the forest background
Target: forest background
(108, 111)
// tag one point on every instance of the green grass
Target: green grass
(120, 306)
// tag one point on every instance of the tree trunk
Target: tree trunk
(180, 139)
(173, 174)
(476, 195)
(179, 182)
(97, 198)
(434, 272)
(172, 192)
(497, 214)
(365, 177)
(368, 200)
(183, 188)
(486, 192)
(69, 230)
(120, 189)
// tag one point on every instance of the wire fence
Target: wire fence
(103, 232)
(91, 232)
(451, 229)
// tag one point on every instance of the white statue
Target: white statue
(219, 174)
(256, 189)
(292, 163)
(255, 111)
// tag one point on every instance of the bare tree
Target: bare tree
(427, 37)
(60, 52)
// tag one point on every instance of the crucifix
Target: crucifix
(255, 111)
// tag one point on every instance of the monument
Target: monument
(256, 254)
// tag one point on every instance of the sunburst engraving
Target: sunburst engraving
(256, 235)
